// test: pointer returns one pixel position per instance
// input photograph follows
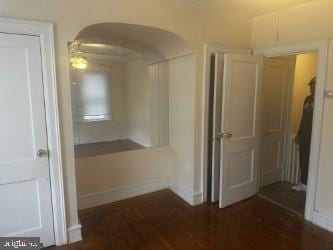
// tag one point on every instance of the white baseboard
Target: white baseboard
(74, 233)
(197, 198)
(186, 194)
(100, 198)
(323, 221)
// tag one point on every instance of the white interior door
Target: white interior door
(240, 126)
(275, 92)
(217, 113)
(26, 208)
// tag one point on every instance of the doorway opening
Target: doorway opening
(288, 104)
(227, 135)
(128, 84)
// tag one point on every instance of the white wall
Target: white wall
(138, 96)
(111, 174)
(182, 76)
(307, 22)
(103, 130)
(159, 77)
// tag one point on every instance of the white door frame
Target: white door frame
(321, 47)
(45, 32)
(209, 50)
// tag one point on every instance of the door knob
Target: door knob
(329, 93)
(225, 134)
(42, 152)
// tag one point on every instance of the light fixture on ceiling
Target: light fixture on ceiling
(77, 60)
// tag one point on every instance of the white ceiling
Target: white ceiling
(105, 53)
(126, 41)
(250, 7)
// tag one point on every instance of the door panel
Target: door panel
(242, 93)
(217, 112)
(275, 90)
(15, 146)
(240, 127)
(240, 168)
(15, 201)
(24, 177)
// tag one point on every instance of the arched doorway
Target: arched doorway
(133, 112)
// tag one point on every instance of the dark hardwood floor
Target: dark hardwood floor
(161, 220)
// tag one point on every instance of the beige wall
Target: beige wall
(138, 96)
(305, 22)
(182, 117)
(121, 170)
(305, 70)
(159, 80)
(196, 24)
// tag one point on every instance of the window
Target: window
(94, 96)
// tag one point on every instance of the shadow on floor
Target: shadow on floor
(282, 194)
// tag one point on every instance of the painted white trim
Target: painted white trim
(197, 199)
(74, 233)
(323, 221)
(112, 195)
(186, 194)
(209, 50)
(45, 32)
(321, 47)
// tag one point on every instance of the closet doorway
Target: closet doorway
(288, 103)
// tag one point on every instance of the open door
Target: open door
(217, 113)
(240, 128)
(275, 93)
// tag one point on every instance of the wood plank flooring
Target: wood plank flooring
(161, 220)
